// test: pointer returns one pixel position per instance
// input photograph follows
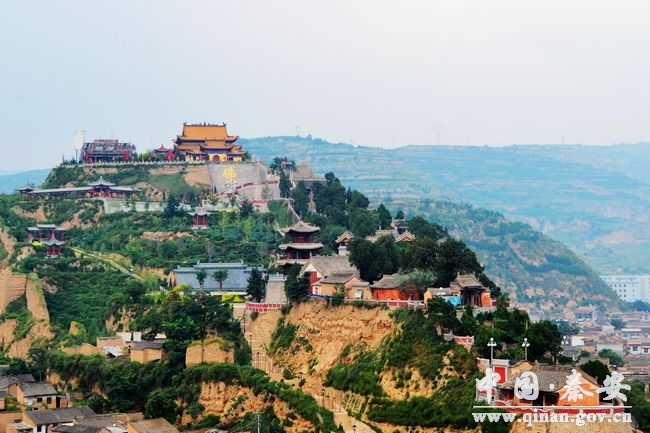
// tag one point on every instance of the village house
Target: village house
(630, 333)
(551, 380)
(38, 394)
(320, 267)
(45, 420)
(112, 347)
(612, 343)
(10, 382)
(639, 364)
(585, 313)
(158, 425)
(353, 287)
(389, 289)
(323, 266)
(146, 351)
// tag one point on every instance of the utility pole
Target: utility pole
(437, 127)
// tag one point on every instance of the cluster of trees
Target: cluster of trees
(338, 209)
(230, 237)
(433, 259)
(184, 316)
(88, 293)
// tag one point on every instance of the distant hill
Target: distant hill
(594, 199)
(9, 182)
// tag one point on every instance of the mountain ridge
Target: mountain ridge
(592, 198)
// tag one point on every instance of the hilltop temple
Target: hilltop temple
(207, 141)
(107, 150)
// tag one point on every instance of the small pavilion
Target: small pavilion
(302, 245)
(53, 247)
(199, 218)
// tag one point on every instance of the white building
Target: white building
(629, 288)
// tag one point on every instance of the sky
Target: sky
(366, 72)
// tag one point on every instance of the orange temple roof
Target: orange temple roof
(206, 132)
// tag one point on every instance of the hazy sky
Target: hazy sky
(372, 72)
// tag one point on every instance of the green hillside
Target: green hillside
(593, 199)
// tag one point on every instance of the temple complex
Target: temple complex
(107, 150)
(99, 188)
(302, 245)
(206, 141)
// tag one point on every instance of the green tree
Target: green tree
(442, 313)
(545, 340)
(639, 406)
(220, 275)
(423, 228)
(185, 316)
(420, 278)
(161, 403)
(172, 208)
(469, 324)
(455, 257)
(617, 322)
(420, 254)
(614, 358)
(362, 222)
(383, 217)
(37, 355)
(363, 254)
(256, 287)
(201, 275)
(356, 200)
(596, 369)
(284, 185)
(296, 287)
(246, 209)
(300, 199)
